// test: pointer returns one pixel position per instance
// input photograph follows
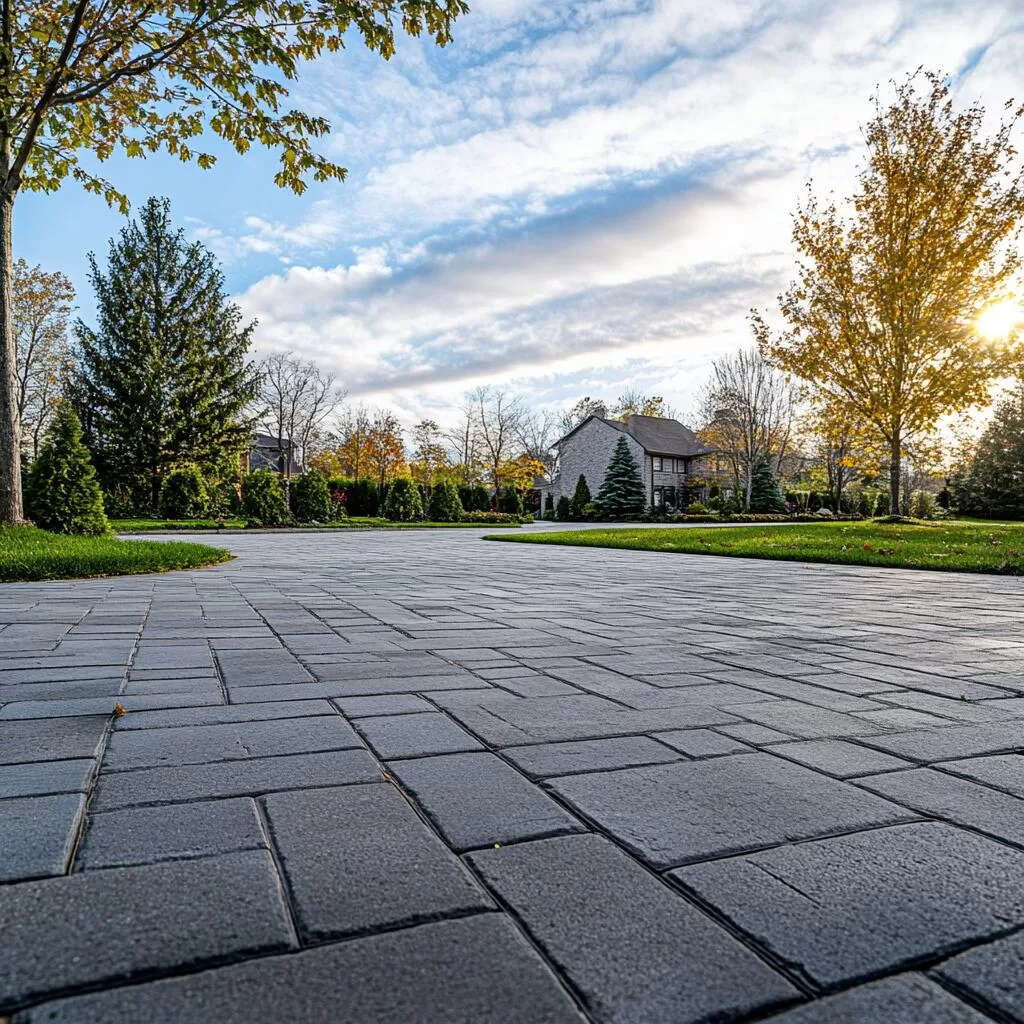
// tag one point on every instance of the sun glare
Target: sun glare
(1000, 320)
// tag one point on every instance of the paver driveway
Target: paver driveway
(419, 777)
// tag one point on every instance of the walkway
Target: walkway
(419, 777)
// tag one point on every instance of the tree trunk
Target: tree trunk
(895, 470)
(10, 423)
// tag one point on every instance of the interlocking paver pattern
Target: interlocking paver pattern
(394, 777)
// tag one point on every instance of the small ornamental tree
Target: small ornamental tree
(765, 496)
(510, 501)
(183, 494)
(403, 503)
(562, 509)
(580, 499)
(549, 506)
(993, 486)
(445, 506)
(311, 498)
(62, 491)
(622, 492)
(263, 500)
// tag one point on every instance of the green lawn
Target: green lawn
(946, 546)
(30, 554)
(355, 523)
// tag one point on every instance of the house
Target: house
(270, 452)
(672, 462)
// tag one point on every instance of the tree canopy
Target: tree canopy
(882, 320)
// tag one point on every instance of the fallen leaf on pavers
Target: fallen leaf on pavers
(120, 710)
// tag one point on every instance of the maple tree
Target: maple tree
(882, 320)
(140, 76)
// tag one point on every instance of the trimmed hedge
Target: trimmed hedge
(263, 501)
(183, 494)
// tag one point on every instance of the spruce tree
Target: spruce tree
(622, 492)
(162, 378)
(61, 489)
(765, 496)
(993, 486)
(580, 499)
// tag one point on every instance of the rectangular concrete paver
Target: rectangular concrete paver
(37, 835)
(394, 736)
(346, 855)
(991, 974)
(146, 835)
(107, 926)
(478, 800)
(720, 806)
(850, 907)
(634, 949)
(454, 972)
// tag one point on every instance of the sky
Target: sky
(576, 197)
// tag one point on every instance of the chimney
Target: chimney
(601, 412)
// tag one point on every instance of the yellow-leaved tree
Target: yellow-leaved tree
(882, 322)
(137, 76)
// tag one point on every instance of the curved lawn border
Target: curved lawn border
(28, 555)
(956, 546)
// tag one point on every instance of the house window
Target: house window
(657, 464)
(670, 465)
(657, 497)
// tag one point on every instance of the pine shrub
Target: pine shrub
(882, 504)
(263, 499)
(403, 503)
(183, 494)
(311, 498)
(993, 485)
(580, 499)
(922, 505)
(622, 492)
(445, 506)
(61, 490)
(765, 495)
(562, 509)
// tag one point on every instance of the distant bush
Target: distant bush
(922, 505)
(696, 508)
(311, 498)
(562, 509)
(183, 494)
(581, 498)
(510, 501)
(263, 500)
(224, 499)
(445, 506)
(882, 504)
(403, 503)
(489, 517)
(359, 496)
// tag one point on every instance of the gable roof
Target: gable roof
(657, 435)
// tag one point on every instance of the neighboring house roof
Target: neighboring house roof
(260, 440)
(657, 435)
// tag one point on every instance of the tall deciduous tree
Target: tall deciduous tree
(882, 318)
(386, 449)
(79, 76)
(42, 307)
(499, 416)
(747, 407)
(296, 398)
(162, 379)
(429, 454)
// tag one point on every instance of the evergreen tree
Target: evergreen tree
(580, 499)
(622, 492)
(510, 501)
(993, 486)
(162, 378)
(61, 489)
(765, 496)
(481, 499)
(445, 505)
(562, 510)
(403, 501)
(311, 498)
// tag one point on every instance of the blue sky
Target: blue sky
(574, 198)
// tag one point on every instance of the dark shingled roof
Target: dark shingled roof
(660, 436)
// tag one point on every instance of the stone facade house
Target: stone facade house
(672, 462)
